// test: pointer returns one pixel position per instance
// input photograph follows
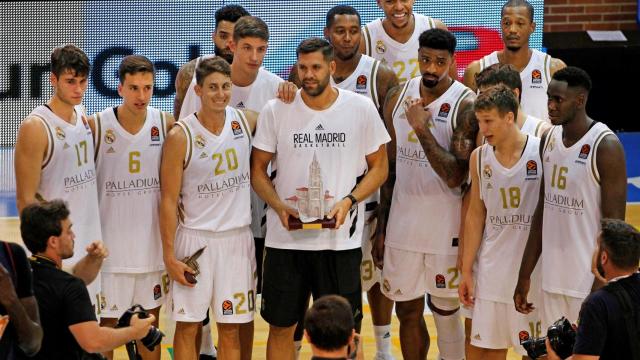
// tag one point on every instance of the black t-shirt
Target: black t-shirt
(63, 300)
(601, 327)
(15, 262)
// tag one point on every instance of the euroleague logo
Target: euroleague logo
(237, 129)
(361, 82)
(532, 168)
(444, 110)
(157, 292)
(536, 77)
(584, 151)
(440, 281)
(227, 307)
(523, 336)
(155, 134)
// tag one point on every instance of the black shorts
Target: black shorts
(259, 244)
(291, 275)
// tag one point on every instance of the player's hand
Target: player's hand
(7, 291)
(287, 92)
(97, 251)
(284, 213)
(520, 296)
(340, 211)
(176, 270)
(377, 250)
(141, 327)
(551, 355)
(417, 116)
(466, 290)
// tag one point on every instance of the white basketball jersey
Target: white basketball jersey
(254, 97)
(535, 81)
(69, 173)
(215, 184)
(572, 211)
(191, 102)
(128, 167)
(425, 212)
(402, 57)
(533, 126)
(363, 80)
(510, 197)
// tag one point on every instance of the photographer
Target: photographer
(603, 331)
(68, 320)
(329, 328)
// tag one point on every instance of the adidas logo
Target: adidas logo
(114, 308)
(203, 155)
(386, 335)
(111, 150)
(398, 292)
(181, 311)
(240, 105)
(477, 337)
(66, 146)
(319, 127)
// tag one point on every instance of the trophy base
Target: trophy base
(296, 224)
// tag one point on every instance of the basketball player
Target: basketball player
(366, 76)
(128, 141)
(204, 175)
(329, 145)
(226, 18)
(54, 160)
(427, 116)
(505, 184)
(394, 39)
(585, 181)
(536, 68)
(498, 74)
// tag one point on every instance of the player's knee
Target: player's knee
(410, 310)
(443, 306)
(282, 332)
(230, 332)
(187, 329)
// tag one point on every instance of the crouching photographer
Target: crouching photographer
(609, 319)
(70, 328)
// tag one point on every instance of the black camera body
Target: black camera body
(561, 335)
(153, 337)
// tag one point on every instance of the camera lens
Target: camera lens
(153, 338)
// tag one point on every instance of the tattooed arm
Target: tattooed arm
(183, 80)
(451, 165)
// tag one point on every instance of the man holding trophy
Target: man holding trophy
(327, 151)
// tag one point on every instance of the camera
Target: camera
(153, 337)
(561, 335)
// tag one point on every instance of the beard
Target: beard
(347, 56)
(223, 53)
(599, 265)
(429, 83)
(319, 89)
(513, 48)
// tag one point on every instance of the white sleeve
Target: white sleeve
(376, 133)
(266, 135)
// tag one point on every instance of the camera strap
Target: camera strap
(619, 289)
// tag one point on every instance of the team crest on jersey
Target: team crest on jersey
(227, 307)
(381, 48)
(444, 110)
(109, 136)
(536, 77)
(523, 336)
(361, 82)
(235, 126)
(532, 168)
(552, 144)
(60, 133)
(487, 172)
(385, 285)
(584, 151)
(440, 281)
(200, 141)
(155, 134)
(157, 292)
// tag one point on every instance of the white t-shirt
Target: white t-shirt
(128, 167)
(320, 156)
